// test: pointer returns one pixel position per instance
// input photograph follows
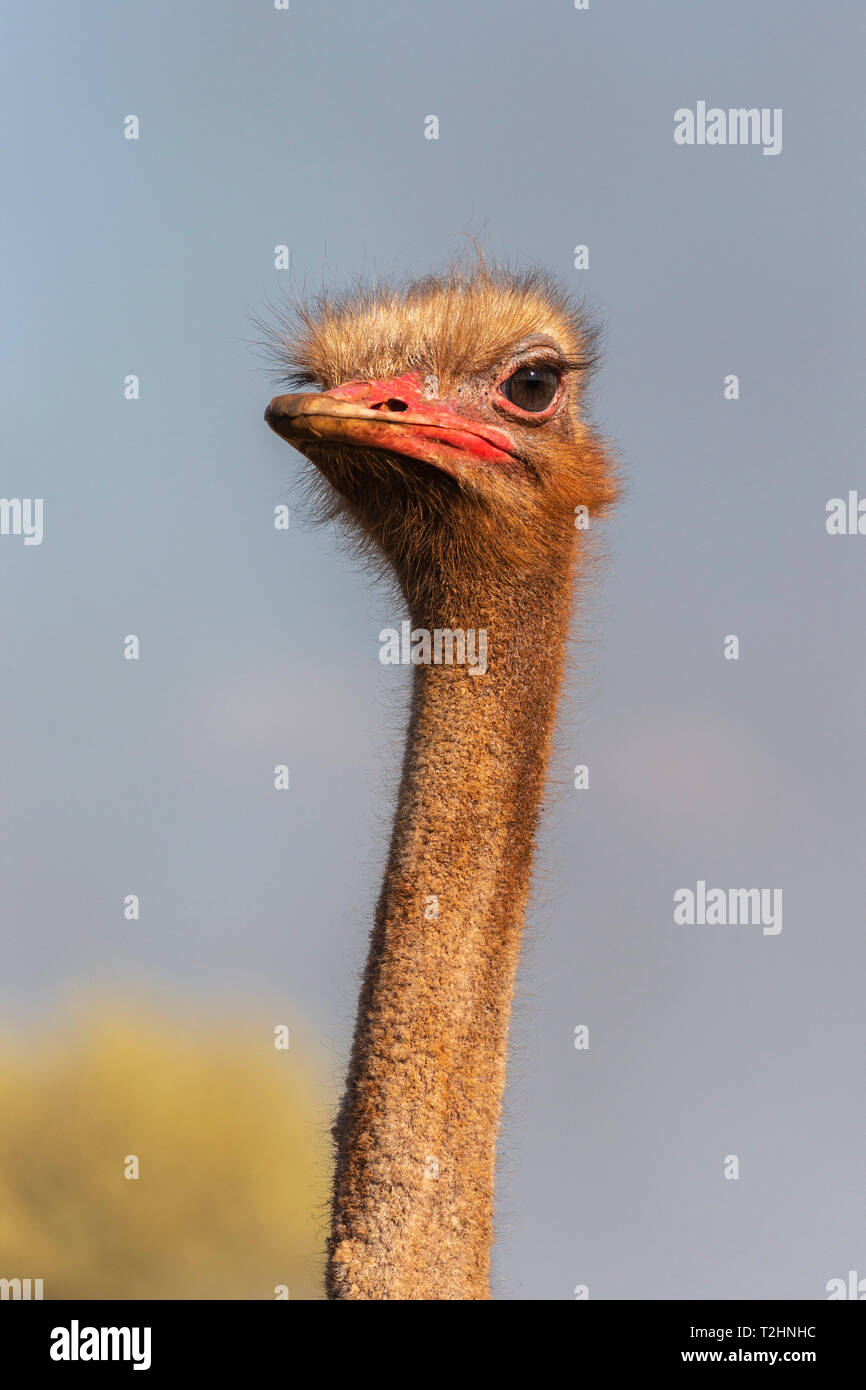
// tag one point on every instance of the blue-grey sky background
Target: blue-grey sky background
(306, 128)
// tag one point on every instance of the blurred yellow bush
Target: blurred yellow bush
(231, 1140)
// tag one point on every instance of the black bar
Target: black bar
(220, 1338)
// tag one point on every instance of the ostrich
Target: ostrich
(447, 430)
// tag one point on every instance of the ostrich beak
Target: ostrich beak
(395, 415)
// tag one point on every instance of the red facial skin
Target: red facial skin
(395, 415)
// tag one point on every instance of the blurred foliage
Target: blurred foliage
(231, 1137)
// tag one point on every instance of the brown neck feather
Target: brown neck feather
(416, 1135)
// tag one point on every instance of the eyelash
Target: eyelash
(555, 362)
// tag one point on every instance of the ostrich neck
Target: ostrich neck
(416, 1135)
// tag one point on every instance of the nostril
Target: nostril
(391, 404)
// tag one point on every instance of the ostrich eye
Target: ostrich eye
(531, 388)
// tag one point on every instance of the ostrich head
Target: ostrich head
(446, 418)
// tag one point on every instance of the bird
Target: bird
(446, 422)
